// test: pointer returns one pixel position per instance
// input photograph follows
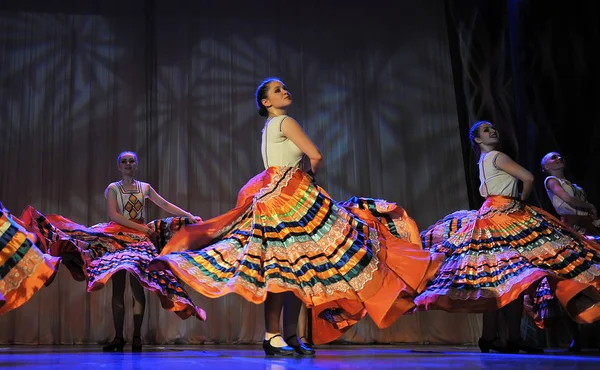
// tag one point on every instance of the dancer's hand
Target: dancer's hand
(193, 219)
(148, 231)
(153, 236)
(312, 174)
(593, 212)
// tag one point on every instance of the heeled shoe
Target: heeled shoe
(116, 345)
(306, 342)
(136, 344)
(301, 349)
(521, 345)
(486, 345)
(575, 346)
(276, 351)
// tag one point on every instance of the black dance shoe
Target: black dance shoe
(276, 351)
(306, 342)
(116, 345)
(575, 346)
(486, 345)
(521, 345)
(136, 344)
(301, 349)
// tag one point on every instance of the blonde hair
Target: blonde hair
(545, 159)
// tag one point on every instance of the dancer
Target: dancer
(287, 242)
(568, 199)
(24, 268)
(125, 244)
(570, 203)
(506, 248)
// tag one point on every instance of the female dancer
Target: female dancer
(24, 269)
(287, 242)
(568, 199)
(506, 248)
(570, 202)
(125, 244)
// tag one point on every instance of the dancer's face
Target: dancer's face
(487, 135)
(128, 164)
(278, 96)
(553, 161)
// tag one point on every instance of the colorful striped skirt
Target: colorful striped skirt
(505, 249)
(95, 253)
(24, 268)
(286, 234)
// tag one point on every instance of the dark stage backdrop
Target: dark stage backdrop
(174, 81)
(531, 68)
(556, 52)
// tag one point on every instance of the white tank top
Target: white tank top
(494, 181)
(562, 207)
(130, 203)
(276, 148)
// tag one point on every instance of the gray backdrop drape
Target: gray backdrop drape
(174, 81)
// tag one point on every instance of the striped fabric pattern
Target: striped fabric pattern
(95, 253)
(287, 235)
(24, 269)
(504, 249)
(433, 237)
(299, 240)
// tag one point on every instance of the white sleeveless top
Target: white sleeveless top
(494, 181)
(276, 148)
(562, 207)
(130, 203)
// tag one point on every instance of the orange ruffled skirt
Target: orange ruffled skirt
(93, 254)
(505, 249)
(343, 260)
(24, 268)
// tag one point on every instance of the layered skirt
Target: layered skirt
(24, 268)
(286, 234)
(505, 249)
(93, 254)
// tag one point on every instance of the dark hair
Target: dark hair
(261, 93)
(126, 152)
(474, 133)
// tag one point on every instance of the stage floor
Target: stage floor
(242, 357)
